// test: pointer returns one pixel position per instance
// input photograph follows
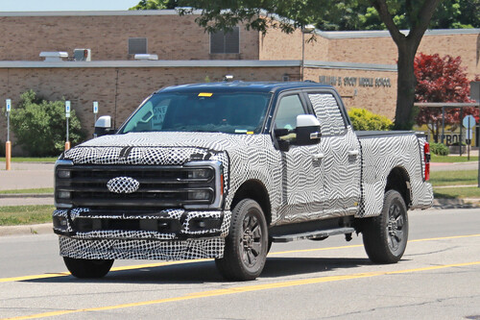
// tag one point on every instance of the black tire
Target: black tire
(385, 237)
(269, 246)
(88, 269)
(247, 243)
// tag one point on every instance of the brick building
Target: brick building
(360, 64)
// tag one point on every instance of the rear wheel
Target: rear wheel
(84, 269)
(246, 245)
(385, 237)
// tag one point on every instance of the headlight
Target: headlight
(202, 174)
(199, 195)
(64, 194)
(64, 174)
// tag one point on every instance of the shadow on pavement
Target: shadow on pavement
(205, 272)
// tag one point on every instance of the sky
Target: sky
(65, 5)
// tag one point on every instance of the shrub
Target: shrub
(2, 148)
(40, 126)
(363, 120)
(439, 149)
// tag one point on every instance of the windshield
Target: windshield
(201, 112)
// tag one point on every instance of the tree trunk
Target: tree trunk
(406, 86)
(407, 48)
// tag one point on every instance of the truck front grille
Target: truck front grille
(138, 186)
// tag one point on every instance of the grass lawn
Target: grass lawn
(21, 215)
(453, 178)
(20, 159)
(21, 191)
(453, 193)
(450, 159)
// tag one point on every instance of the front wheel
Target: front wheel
(385, 237)
(246, 245)
(85, 269)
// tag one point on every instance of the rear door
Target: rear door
(340, 150)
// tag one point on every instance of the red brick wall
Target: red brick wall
(171, 37)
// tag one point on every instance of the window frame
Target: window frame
(137, 38)
(224, 43)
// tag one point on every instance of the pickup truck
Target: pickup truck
(222, 170)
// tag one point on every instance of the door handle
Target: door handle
(353, 153)
(318, 156)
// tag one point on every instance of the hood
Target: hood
(161, 148)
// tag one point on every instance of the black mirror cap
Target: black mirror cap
(283, 145)
(100, 131)
(308, 135)
(280, 132)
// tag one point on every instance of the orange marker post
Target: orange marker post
(8, 144)
(67, 117)
(8, 155)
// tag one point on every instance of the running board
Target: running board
(312, 235)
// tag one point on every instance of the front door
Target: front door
(302, 181)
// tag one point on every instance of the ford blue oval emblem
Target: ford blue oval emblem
(123, 185)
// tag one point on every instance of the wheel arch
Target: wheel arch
(255, 190)
(398, 179)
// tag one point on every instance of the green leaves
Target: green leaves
(40, 125)
(364, 120)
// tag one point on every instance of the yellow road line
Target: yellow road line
(316, 249)
(242, 289)
(446, 238)
(162, 264)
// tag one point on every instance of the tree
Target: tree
(441, 80)
(450, 14)
(39, 125)
(361, 15)
(155, 4)
(221, 14)
(418, 15)
(394, 15)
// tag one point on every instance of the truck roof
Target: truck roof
(241, 86)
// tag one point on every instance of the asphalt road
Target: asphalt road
(438, 278)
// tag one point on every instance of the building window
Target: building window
(137, 45)
(225, 42)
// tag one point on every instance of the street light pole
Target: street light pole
(306, 29)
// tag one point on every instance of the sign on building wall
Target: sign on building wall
(356, 81)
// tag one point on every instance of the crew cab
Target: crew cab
(222, 170)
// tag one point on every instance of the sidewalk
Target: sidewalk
(454, 166)
(26, 175)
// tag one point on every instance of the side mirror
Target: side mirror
(103, 126)
(308, 130)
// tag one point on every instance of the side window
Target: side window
(288, 109)
(328, 113)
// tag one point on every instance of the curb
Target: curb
(25, 195)
(31, 229)
(456, 203)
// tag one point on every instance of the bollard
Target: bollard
(67, 145)
(8, 155)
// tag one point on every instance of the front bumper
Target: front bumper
(170, 234)
(105, 249)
